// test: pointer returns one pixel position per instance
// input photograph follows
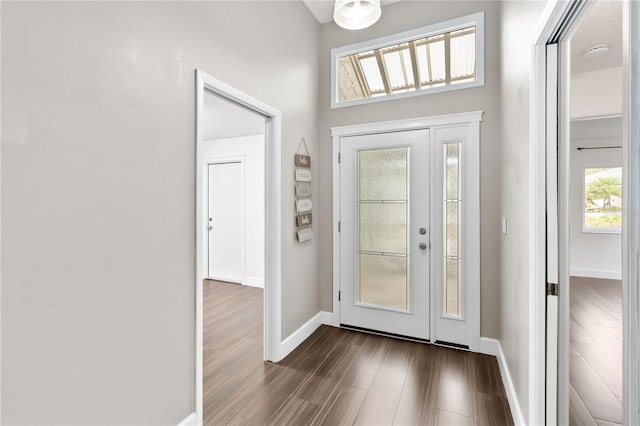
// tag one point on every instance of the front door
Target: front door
(384, 244)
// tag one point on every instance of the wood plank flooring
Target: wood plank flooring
(337, 376)
(596, 352)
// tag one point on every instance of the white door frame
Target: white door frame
(473, 239)
(273, 235)
(206, 162)
(554, 14)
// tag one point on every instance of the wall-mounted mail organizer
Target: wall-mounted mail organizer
(304, 218)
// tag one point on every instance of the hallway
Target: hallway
(338, 376)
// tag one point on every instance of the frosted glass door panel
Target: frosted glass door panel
(382, 206)
(383, 174)
(383, 280)
(452, 243)
(452, 280)
(383, 227)
(453, 226)
(452, 177)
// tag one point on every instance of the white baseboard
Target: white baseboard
(225, 279)
(327, 319)
(253, 282)
(489, 346)
(596, 273)
(300, 335)
(492, 347)
(191, 420)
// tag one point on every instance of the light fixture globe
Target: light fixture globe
(356, 14)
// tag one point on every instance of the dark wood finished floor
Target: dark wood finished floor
(337, 376)
(596, 352)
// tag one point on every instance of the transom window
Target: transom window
(444, 56)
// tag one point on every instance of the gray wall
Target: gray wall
(98, 194)
(399, 17)
(518, 20)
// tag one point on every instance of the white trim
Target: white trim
(300, 335)
(327, 319)
(0, 237)
(253, 282)
(491, 346)
(335, 166)
(476, 19)
(631, 206)
(408, 124)
(596, 273)
(552, 15)
(273, 229)
(190, 420)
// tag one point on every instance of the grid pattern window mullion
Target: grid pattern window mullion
(428, 61)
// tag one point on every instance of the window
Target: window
(436, 58)
(603, 199)
(452, 235)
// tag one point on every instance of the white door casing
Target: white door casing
(226, 216)
(385, 272)
(273, 346)
(466, 131)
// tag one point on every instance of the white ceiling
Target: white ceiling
(323, 9)
(602, 25)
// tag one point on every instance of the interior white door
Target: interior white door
(384, 242)
(226, 222)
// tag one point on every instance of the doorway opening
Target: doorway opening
(594, 287)
(584, 377)
(238, 247)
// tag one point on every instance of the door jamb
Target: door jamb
(631, 206)
(273, 235)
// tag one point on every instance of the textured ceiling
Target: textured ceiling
(602, 25)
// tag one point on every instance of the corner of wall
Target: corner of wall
(190, 420)
(492, 347)
(297, 337)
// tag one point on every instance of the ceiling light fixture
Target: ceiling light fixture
(356, 14)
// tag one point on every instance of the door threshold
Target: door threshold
(384, 333)
(451, 345)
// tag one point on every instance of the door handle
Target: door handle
(423, 246)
